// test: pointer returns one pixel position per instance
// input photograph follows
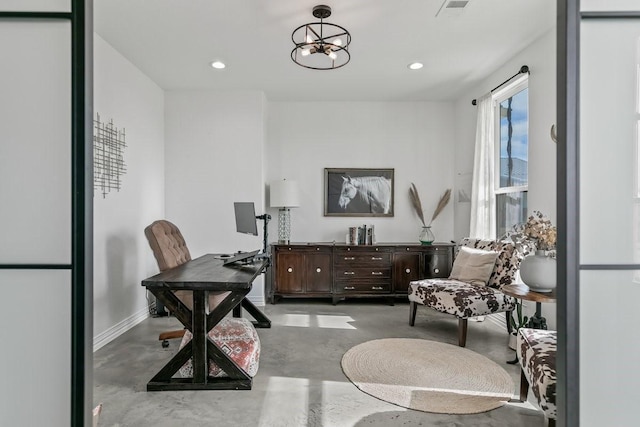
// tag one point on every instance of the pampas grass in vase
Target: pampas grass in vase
(426, 235)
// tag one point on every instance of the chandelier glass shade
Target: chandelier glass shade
(321, 45)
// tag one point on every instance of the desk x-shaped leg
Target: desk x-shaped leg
(261, 321)
(201, 348)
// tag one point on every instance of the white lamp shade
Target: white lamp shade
(284, 194)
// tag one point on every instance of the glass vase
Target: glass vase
(426, 236)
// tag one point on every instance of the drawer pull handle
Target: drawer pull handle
(408, 249)
(374, 258)
(318, 270)
(349, 272)
(317, 249)
(349, 288)
(377, 288)
(436, 270)
(376, 273)
(408, 270)
(349, 258)
(290, 270)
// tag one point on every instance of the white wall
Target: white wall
(214, 157)
(416, 139)
(122, 257)
(540, 56)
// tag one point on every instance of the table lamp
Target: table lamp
(284, 195)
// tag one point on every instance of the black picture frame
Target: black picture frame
(369, 192)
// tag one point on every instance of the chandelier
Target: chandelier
(320, 45)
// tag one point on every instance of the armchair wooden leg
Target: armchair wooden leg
(462, 332)
(524, 387)
(508, 315)
(413, 307)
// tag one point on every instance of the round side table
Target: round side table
(522, 291)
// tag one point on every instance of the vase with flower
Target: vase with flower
(537, 240)
(426, 236)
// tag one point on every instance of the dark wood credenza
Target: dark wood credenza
(336, 271)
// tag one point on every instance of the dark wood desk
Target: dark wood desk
(203, 275)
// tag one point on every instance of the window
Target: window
(512, 151)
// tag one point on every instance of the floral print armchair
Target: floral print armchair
(465, 300)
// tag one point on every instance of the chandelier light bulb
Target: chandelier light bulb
(309, 39)
(415, 66)
(332, 55)
(337, 42)
(305, 52)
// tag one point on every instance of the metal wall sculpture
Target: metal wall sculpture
(108, 156)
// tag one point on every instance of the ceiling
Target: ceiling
(174, 41)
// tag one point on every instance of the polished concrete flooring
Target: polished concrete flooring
(300, 381)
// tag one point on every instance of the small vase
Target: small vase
(426, 236)
(539, 272)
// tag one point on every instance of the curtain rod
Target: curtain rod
(523, 69)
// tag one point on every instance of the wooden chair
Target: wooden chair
(170, 250)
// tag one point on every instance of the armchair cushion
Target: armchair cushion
(461, 299)
(507, 262)
(473, 265)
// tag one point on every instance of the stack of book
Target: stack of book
(363, 235)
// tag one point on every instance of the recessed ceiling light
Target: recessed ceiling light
(415, 65)
(218, 65)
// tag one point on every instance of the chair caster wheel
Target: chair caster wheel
(165, 343)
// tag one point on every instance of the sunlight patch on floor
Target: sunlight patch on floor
(335, 322)
(344, 405)
(286, 403)
(298, 320)
(326, 321)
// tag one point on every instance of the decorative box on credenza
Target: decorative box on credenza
(337, 271)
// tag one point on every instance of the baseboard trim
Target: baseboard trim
(119, 328)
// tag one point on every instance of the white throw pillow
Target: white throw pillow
(473, 265)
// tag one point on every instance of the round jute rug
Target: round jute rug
(428, 376)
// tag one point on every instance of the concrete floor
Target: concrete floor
(300, 381)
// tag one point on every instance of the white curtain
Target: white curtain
(483, 200)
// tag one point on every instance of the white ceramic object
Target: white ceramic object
(539, 272)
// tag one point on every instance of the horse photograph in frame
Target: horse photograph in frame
(358, 192)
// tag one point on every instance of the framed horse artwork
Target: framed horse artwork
(358, 192)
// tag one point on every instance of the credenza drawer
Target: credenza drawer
(356, 273)
(346, 258)
(363, 287)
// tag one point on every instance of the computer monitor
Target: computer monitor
(245, 218)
